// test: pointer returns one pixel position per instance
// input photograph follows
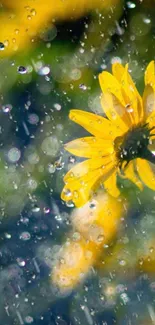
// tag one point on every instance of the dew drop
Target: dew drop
(22, 70)
(67, 192)
(33, 12)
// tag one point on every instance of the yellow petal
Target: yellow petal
(117, 70)
(81, 189)
(90, 147)
(111, 185)
(95, 124)
(151, 121)
(129, 173)
(148, 100)
(131, 97)
(109, 84)
(150, 73)
(145, 172)
(115, 111)
(87, 166)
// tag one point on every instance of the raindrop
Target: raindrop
(44, 71)
(2, 47)
(57, 107)
(124, 297)
(35, 209)
(20, 261)
(8, 236)
(22, 70)
(72, 160)
(92, 205)
(7, 108)
(147, 20)
(83, 87)
(67, 192)
(25, 236)
(70, 204)
(59, 164)
(46, 210)
(51, 168)
(29, 319)
(131, 5)
(122, 262)
(33, 12)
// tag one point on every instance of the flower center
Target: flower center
(133, 144)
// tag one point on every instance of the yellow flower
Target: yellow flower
(119, 143)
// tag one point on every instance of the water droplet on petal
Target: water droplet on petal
(2, 47)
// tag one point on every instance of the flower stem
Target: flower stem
(148, 155)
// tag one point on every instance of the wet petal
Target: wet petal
(150, 74)
(148, 100)
(129, 173)
(88, 166)
(115, 111)
(145, 172)
(95, 124)
(151, 121)
(131, 96)
(111, 185)
(90, 147)
(81, 189)
(117, 70)
(120, 73)
(109, 84)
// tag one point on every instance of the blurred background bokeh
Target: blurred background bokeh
(60, 265)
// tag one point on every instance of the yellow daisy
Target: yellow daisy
(119, 142)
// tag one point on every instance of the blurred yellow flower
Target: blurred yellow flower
(119, 143)
(95, 224)
(23, 20)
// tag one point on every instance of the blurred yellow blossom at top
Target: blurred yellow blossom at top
(119, 143)
(22, 21)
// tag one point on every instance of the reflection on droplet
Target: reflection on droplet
(25, 236)
(57, 106)
(44, 71)
(22, 70)
(7, 108)
(67, 192)
(29, 319)
(20, 261)
(2, 47)
(131, 5)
